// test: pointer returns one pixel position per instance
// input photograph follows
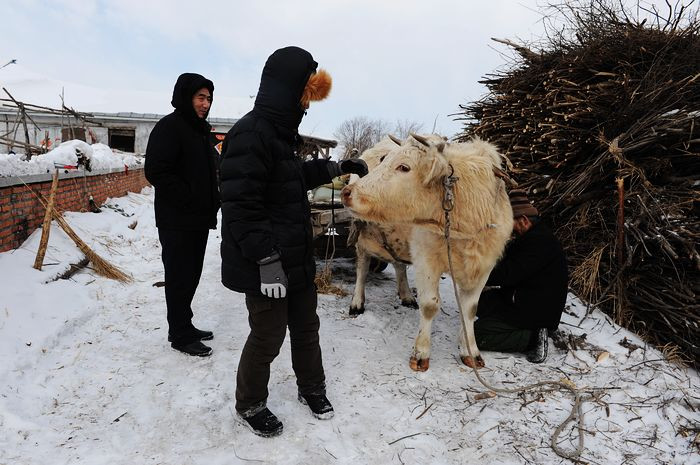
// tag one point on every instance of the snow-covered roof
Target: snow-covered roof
(123, 115)
(103, 116)
(30, 86)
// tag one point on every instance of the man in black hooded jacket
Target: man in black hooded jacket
(181, 164)
(266, 246)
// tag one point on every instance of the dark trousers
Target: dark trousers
(494, 331)
(183, 258)
(269, 319)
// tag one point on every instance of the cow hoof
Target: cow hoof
(470, 362)
(410, 303)
(357, 311)
(419, 365)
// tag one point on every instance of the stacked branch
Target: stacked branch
(84, 117)
(23, 115)
(602, 125)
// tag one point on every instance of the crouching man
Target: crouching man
(531, 282)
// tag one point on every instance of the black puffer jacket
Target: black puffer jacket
(533, 276)
(181, 162)
(264, 185)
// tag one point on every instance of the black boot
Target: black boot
(195, 348)
(538, 353)
(203, 335)
(319, 405)
(264, 423)
(195, 334)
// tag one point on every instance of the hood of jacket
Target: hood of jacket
(284, 77)
(186, 86)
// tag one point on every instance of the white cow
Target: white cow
(407, 187)
(386, 242)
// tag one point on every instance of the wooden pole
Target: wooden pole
(24, 115)
(46, 228)
(22, 106)
(13, 142)
(620, 246)
(26, 131)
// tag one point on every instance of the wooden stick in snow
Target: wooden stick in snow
(46, 227)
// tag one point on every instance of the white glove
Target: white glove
(273, 280)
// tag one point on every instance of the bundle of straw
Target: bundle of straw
(99, 264)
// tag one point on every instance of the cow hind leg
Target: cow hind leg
(405, 294)
(429, 304)
(468, 302)
(357, 305)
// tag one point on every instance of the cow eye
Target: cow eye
(382, 159)
(403, 168)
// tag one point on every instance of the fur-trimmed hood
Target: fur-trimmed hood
(283, 83)
(317, 88)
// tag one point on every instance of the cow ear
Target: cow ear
(438, 169)
(395, 139)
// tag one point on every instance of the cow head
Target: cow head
(404, 186)
(374, 155)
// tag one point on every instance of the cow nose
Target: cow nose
(345, 195)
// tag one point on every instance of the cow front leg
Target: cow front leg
(357, 305)
(468, 301)
(405, 294)
(427, 283)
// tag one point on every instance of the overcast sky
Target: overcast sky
(394, 60)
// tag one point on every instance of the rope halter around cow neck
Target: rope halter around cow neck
(448, 203)
(448, 200)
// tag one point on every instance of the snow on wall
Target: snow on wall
(101, 157)
(21, 211)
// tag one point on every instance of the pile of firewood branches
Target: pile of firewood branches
(602, 125)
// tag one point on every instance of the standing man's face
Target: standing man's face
(201, 102)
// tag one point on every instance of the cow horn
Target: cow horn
(395, 139)
(420, 139)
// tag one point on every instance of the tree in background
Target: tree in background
(359, 133)
(403, 127)
(362, 133)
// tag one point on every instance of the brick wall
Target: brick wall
(21, 212)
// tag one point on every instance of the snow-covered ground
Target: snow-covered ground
(100, 156)
(88, 377)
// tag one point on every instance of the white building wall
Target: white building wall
(52, 123)
(142, 133)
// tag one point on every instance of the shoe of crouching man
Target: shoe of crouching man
(319, 405)
(263, 423)
(538, 353)
(195, 348)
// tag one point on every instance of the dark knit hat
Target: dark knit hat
(521, 204)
